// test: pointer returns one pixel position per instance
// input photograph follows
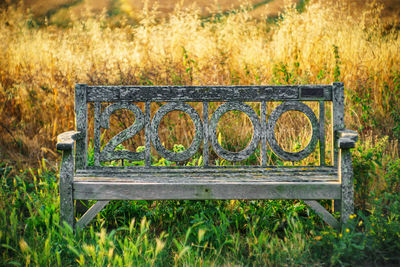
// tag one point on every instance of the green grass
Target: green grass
(199, 233)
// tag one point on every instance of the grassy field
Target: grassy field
(319, 43)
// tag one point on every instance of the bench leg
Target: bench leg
(323, 213)
(346, 177)
(66, 197)
(91, 213)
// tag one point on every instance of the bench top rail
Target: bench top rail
(125, 97)
(209, 93)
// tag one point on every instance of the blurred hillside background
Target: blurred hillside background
(58, 8)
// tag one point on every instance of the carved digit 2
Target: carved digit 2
(108, 153)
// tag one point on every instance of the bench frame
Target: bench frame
(73, 144)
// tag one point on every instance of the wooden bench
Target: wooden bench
(78, 181)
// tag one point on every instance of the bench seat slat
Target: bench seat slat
(212, 169)
(254, 183)
(212, 190)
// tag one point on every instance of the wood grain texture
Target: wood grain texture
(206, 145)
(216, 116)
(66, 192)
(347, 138)
(91, 213)
(198, 135)
(97, 133)
(81, 116)
(108, 153)
(147, 135)
(323, 213)
(209, 93)
(346, 178)
(263, 134)
(272, 120)
(215, 169)
(322, 133)
(66, 141)
(162, 191)
(338, 117)
(203, 176)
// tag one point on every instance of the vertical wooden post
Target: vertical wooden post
(66, 197)
(322, 133)
(97, 133)
(338, 116)
(147, 138)
(346, 178)
(337, 124)
(205, 135)
(81, 111)
(263, 134)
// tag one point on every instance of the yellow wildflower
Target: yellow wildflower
(347, 230)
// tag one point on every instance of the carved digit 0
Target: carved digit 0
(108, 153)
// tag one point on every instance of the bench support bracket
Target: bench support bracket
(91, 213)
(323, 213)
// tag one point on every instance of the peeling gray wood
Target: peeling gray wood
(147, 135)
(209, 93)
(197, 140)
(66, 141)
(346, 133)
(206, 152)
(216, 116)
(91, 213)
(97, 133)
(347, 138)
(323, 213)
(211, 169)
(346, 143)
(321, 133)
(200, 175)
(108, 153)
(272, 120)
(161, 191)
(66, 192)
(263, 134)
(201, 178)
(346, 178)
(81, 113)
(338, 116)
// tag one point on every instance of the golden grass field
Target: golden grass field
(39, 64)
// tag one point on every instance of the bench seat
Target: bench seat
(212, 183)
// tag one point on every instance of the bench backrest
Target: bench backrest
(124, 97)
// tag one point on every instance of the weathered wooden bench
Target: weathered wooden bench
(78, 181)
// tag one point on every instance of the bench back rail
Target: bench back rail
(124, 97)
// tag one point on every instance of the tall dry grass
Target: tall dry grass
(39, 65)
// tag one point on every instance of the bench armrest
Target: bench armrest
(66, 141)
(347, 138)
